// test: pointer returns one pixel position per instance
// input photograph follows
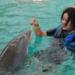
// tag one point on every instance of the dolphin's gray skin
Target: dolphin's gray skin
(15, 52)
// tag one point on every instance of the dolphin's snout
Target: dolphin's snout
(29, 35)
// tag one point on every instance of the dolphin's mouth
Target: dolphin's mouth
(28, 36)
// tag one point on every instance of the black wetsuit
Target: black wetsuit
(58, 34)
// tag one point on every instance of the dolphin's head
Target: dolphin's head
(23, 41)
(15, 52)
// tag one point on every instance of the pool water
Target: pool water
(14, 18)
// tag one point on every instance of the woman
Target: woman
(63, 31)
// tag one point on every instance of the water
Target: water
(14, 18)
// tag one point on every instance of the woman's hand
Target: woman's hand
(34, 22)
(37, 29)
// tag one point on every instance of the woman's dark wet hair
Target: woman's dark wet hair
(71, 13)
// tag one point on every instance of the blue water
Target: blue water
(15, 16)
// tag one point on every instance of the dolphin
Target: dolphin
(15, 53)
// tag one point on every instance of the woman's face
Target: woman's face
(66, 26)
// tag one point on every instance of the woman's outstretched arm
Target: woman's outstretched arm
(38, 30)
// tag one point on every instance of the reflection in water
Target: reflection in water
(31, 0)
